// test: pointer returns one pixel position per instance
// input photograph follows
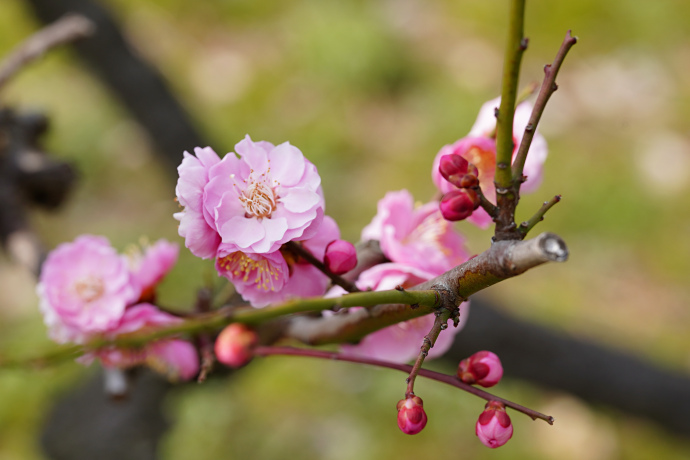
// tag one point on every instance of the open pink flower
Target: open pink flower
(416, 236)
(400, 342)
(196, 225)
(149, 268)
(267, 278)
(84, 289)
(176, 359)
(266, 197)
(485, 125)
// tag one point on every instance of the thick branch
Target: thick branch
(65, 30)
(503, 260)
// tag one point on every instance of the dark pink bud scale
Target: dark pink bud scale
(494, 427)
(411, 416)
(483, 368)
(458, 204)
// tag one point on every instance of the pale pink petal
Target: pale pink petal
(253, 155)
(242, 232)
(287, 164)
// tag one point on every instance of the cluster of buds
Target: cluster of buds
(460, 203)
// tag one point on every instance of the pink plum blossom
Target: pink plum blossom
(267, 196)
(485, 125)
(149, 268)
(196, 224)
(400, 342)
(479, 148)
(84, 288)
(494, 427)
(267, 278)
(482, 368)
(416, 236)
(411, 416)
(176, 359)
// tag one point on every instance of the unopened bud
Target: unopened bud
(411, 415)
(234, 345)
(494, 427)
(341, 256)
(458, 171)
(459, 204)
(483, 368)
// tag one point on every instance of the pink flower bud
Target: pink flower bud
(458, 204)
(483, 368)
(341, 256)
(234, 345)
(493, 427)
(411, 415)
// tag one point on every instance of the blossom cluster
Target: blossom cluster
(243, 209)
(478, 148)
(87, 291)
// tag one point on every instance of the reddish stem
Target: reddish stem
(448, 379)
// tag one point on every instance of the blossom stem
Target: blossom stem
(440, 320)
(447, 379)
(506, 112)
(528, 225)
(548, 87)
(309, 257)
(484, 202)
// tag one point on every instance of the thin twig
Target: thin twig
(548, 87)
(309, 257)
(440, 320)
(65, 30)
(448, 379)
(484, 202)
(528, 225)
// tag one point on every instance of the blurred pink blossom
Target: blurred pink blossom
(176, 359)
(84, 288)
(267, 278)
(234, 345)
(196, 225)
(416, 236)
(265, 197)
(149, 268)
(400, 342)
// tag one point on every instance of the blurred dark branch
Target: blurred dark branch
(137, 84)
(65, 30)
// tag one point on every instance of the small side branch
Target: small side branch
(447, 379)
(65, 30)
(548, 87)
(440, 323)
(528, 225)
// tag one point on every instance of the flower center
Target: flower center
(259, 200)
(89, 288)
(244, 267)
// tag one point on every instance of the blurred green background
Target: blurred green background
(369, 91)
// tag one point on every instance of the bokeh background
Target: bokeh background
(369, 91)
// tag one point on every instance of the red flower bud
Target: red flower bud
(458, 171)
(234, 345)
(494, 427)
(483, 368)
(459, 204)
(341, 256)
(411, 415)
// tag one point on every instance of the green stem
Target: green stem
(506, 112)
(528, 225)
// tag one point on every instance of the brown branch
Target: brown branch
(448, 379)
(503, 260)
(65, 30)
(548, 87)
(440, 323)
